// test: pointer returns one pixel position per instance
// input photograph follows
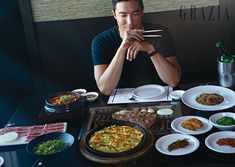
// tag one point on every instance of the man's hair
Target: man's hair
(114, 2)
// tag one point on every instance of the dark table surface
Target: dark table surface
(28, 111)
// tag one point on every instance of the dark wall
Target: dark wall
(194, 40)
(15, 73)
(65, 53)
(232, 27)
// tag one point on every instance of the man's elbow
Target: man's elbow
(105, 91)
(174, 82)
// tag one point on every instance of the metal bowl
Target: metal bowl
(124, 153)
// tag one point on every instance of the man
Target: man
(122, 57)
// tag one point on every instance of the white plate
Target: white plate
(189, 97)
(177, 94)
(21, 139)
(176, 125)
(163, 143)
(1, 161)
(148, 91)
(211, 140)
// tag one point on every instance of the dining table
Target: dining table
(29, 110)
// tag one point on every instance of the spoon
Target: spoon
(9, 125)
(132, 98)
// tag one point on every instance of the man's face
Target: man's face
(128, 15)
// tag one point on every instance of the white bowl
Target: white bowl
(91, 96)
(214, 118)
(165, 111)
(177, 94)
(80, 91)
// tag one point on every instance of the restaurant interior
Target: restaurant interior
(41, 57)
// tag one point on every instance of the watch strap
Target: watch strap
(153, 53)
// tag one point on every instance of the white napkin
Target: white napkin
(123, 95)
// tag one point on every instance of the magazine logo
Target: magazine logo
(210, 13)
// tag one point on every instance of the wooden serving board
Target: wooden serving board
(117, 160)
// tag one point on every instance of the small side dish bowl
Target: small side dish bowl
(177, 94)
(63, 137)
(80, 91)
(223, 118)
(165, 112)
(91, 96)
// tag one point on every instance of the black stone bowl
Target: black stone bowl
(61, 108)
(119, 154)
(66, 137)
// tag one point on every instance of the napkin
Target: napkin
(123, 95)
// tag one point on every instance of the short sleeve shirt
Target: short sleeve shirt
(139, 71)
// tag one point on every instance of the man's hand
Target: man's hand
(133, 49)
(133, 42)
(138, 46)
(130, 36)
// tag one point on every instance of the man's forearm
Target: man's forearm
(168, 69)
(111, 76)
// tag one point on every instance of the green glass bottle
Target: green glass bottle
(224, 56)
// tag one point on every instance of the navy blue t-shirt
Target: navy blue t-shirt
(139, 71)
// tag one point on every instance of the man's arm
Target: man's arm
(107, 76)
(168, 69)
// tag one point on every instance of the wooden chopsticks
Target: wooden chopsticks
(151, 35)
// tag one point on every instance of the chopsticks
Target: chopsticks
(146, 36)
(151, 35)
(152, 31)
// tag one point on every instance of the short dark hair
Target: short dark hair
(114, 2)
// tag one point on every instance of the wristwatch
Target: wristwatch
(153, 53)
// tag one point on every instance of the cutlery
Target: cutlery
(151, 35)
(132, 98)
(147, 31)
(9, 125)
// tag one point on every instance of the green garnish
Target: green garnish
(50, 147)
(65, 98)
(226, 121)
